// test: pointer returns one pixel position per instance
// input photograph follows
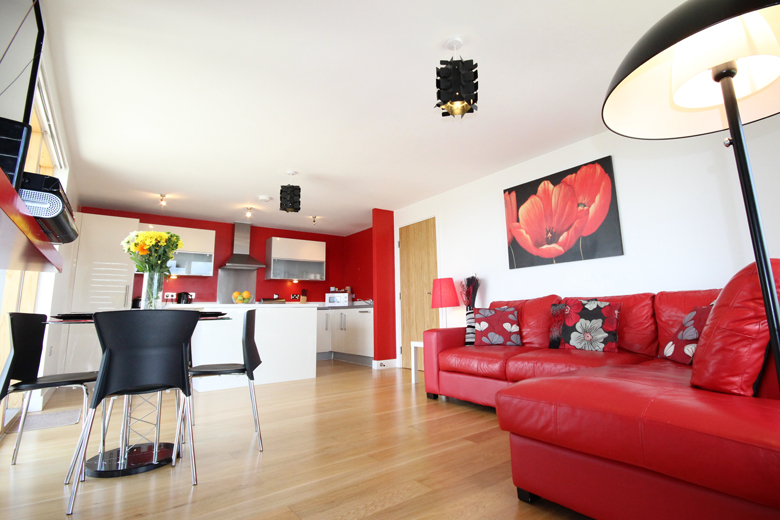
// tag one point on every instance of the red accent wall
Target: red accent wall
(348, 259)
(383, 246)
(359, 263)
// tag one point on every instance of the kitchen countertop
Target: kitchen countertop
(211, 305)
(323, 307)
(320, 306)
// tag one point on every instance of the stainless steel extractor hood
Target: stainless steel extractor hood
(240, 258)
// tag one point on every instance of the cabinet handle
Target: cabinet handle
(364, 312)
(327, 319)
(343, 321)
(127, 290)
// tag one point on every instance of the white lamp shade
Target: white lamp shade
(672, 94)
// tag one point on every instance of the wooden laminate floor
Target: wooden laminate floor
(351, 444)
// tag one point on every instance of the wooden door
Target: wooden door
(418, 270)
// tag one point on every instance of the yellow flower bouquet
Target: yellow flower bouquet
(151, 251)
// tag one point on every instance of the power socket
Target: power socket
(170, 295)
(295, 296)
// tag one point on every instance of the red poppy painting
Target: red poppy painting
(568, 216)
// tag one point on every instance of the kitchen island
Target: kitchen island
(286, 337)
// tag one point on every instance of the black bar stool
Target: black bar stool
(23, 364)
(251, 362)
(144, 351)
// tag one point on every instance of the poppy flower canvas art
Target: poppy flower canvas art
(565, 217)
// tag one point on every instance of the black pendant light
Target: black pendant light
(457, 84)
(290, 196)
(707, 66)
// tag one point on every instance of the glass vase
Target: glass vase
(153, 291)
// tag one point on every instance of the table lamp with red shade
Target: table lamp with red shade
(444, 295)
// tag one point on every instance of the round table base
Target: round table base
(139, 460)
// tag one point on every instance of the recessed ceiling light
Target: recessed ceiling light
(248, 211)
(265, 198)
(162, 199)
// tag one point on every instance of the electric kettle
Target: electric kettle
(183, 297)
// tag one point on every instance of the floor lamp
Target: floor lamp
(444, 295)
(707, 66)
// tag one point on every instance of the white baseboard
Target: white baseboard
(384, 363)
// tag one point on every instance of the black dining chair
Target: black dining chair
(251, 362)
(23, 365)
(144, 351)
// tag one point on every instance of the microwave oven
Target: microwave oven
(338, 299)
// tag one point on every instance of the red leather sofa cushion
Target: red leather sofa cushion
(486, 361)
(637, 330)
(649, 416)
(733, 344)
(672, 306)
(535, 319)
(475, 389)
(547, 362)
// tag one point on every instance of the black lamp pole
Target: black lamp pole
(724, 75)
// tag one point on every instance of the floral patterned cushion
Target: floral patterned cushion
(590, 325)
(557, 311)
(683, 344)
(497, 326)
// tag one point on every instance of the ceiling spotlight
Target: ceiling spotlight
(314, 220)
(457, 84)
(162, 199)
(248, 211)
(290, 196)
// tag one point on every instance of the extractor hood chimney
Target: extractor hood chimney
(240, 258)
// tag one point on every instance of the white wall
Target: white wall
(681, 215)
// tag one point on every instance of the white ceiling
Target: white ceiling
(211, 102)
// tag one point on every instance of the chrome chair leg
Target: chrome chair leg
(179, 433)
(75, 459)
(178, 397)
(25, 406)
(81, 436)
(192, 445)
(157, 428)
(255, 416)
(191, 400)
(82, 458)
(125, 432)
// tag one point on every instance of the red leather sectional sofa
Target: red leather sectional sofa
(619, 435)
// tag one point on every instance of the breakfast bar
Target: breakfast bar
(286, 337)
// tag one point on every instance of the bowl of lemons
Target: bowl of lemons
(242, 297)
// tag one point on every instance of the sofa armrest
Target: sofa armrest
(434, 342)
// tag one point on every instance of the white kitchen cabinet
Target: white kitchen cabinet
(292, 259)
(103, 281)
(192, 240)
(196, 256)
(324, 325)
(359, 328)
(352, 331)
